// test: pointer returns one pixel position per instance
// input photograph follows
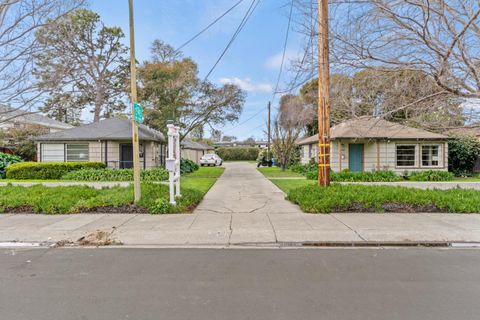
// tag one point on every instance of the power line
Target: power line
(280, 72)
(208, 27)
(284, 51)
(242, 24)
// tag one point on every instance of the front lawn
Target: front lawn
(363, 198)
(276, 172)
(75, 199)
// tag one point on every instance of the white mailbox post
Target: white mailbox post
(173, 161)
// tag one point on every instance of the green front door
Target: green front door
(355, 157)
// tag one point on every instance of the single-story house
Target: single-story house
(245, 144)
(108, 141)
(11, 118)
(373, 144)
(194, 150)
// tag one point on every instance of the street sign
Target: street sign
(137, 113)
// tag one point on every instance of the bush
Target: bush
(430, 175)
(463, 152)
(161, 205)
(154, 174)
(362, 198)
(187, 166)
(47, 170)
(5, 161)
(238, 154)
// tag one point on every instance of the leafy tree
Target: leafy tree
(170, 89)
(83, 65)
(463, 153)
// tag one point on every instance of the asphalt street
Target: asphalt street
(134, 283)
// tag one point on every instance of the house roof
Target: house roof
(22, 116)
(473, 129)
(194, 145)
(374, 128)
(108, 129)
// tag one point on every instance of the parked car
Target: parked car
(211, 159)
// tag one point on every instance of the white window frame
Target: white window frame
(439, 160)
(415, 158)
(77, 144)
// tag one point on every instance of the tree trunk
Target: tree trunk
(99, 100)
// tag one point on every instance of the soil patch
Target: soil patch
(393, 207)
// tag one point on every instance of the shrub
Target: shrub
(238, 154)
(463, 152)
(430, 175)
(5, 161)
(154, 174)
(359, 198)
(47, 170)
(187, 166)
(161, 205)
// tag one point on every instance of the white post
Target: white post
(170, 162)
(177, 161)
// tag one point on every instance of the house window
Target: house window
(52, 152)
(430, 155)
(77, 152)
(406, 155)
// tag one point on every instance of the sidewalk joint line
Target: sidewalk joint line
(355, 231)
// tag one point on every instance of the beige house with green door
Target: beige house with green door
(108, 141)
(373, 144)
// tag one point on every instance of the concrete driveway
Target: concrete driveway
(242, 189)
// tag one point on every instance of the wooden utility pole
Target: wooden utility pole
(323, 96)
(268, 132)
(133, 85)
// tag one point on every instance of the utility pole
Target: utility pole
(133, 85)
(323, 96)
(268, 133)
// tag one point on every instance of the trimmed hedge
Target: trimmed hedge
(6, 160)
(154, 174)
(47, 170)
(238, 154)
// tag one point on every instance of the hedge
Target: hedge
(430, 175)
(5, 161)
(154, 174)
(47, 170)
(238, 154)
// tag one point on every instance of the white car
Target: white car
(210, 159)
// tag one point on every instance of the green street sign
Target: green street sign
(137, 113)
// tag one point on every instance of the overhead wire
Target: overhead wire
(208, 26)
(240, 27)
(280, 71)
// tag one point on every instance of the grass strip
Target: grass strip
(362, 198)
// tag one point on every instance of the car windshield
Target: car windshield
(210, 155)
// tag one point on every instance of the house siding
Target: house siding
(384, 159)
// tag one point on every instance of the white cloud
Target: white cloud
(247, 84)
(275, 61)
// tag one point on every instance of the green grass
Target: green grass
(362, 198)
(467, 179)
(276, 172)
(286, 185)
(206, 172)
(74, 199)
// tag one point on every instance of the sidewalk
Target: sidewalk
(221, 229)
(243, 208)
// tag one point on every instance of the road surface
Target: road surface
(276, 284)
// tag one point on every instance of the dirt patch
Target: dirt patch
(20, 209)
(127, 208)
(392, 207)
(98, 238)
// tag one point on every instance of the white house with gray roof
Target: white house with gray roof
(108, 141)
(372, 144)
(194, 150)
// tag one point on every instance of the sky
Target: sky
(252, 62)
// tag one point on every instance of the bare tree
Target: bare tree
(19, 20)
(441, 38)
(284, 142)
